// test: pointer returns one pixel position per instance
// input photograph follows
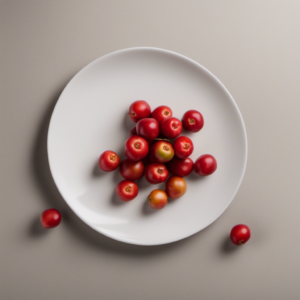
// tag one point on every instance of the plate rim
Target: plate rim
(122, 239)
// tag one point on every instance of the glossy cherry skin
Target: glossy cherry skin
(205, 165)
(183, 147)
(127, 190)
(240, 234)
(109, 161)
(171, 127)
(161, 112)
(136, 148)
(50, 218)
(133, 131)
(192, 121)
(158, 199)
(138, 110)
(175, 187)
(161, 151)
(148, 128)
(180, 167)
(156, 173)
(131, 170)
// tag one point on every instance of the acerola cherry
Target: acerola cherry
(205, 165)
(183, 147)
(171, 127)
(131, 170)
(180, 167)
(50, 218)
(109, 161)
(127, 190)
(158, 199)
(175, 187)
(138, 110)
(161, 151)
(192, 121)
(132, 131)
(156, 173)
(148, 128)
(162, 112)
(136, 148)
(240, 234)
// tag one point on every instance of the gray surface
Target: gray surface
(253, 47)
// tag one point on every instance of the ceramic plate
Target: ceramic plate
(91, 116)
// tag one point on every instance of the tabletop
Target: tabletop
(253, 48)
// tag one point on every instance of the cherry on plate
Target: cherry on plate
(192, 121)
(127, 190)
(148, 128)
(205, 165)
(109, 161)
(240, 234)
(175, 187)
(50, 218)
(171, 127)
(161, 151)
(156, 173)
(136, 148)
(158, 199)
(183, 147)
(180, 167)
(161, 112)
(138, 110)
(131, 170)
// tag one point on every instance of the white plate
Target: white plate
(91, 117)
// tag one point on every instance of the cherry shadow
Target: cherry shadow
(114, 200)
(117, 178)
(147, 210)
(96, 171)
(128, 124)
(227, 246)
(172, 200)
(36, 229)
(143, 183)
(195, 177)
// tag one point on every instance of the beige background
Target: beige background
(253, 47)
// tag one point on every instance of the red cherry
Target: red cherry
(127, 190)
(148, 128)
(180, 167)
(158, 199)
(192, 121)
(50, 218)
(131, 170)
(162, 112)
(171, 127)
(109, 161)
(175, 187)
(156, 173)
(183, 147)
(138, 110)
(240, 234)
(205, 165)
(161, 151)
(136, 148)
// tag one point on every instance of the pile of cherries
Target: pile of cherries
(155, 148)
(152, 151)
